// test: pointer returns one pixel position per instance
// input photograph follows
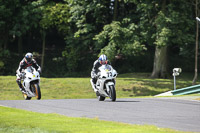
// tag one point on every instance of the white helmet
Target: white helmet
(103, 59)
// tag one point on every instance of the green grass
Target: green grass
(19, 121)
(127, 85)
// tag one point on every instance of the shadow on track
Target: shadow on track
(121, 101)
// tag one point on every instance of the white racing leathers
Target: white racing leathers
(31, 82)
(105, 84)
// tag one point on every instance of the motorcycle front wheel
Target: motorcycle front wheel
(112, 93)
(37, 91)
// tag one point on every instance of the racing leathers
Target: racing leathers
(23, 65)
(94, 72)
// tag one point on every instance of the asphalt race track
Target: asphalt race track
(183, 115)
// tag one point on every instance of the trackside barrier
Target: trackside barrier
(187, 90)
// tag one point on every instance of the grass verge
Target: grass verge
(127, 85)
(19, 121)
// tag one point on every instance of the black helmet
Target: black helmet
(28, 57)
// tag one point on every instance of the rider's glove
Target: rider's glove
(20, 75)
(95, 75)
(98, 74)
(39, 70)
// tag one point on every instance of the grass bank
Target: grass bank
(17, 121)
(127, 85)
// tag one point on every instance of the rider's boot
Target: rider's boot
(95, 90)
(21, 88)
(93, 86)
(97, 93)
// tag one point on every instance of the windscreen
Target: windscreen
(29, 69)
(106, 67)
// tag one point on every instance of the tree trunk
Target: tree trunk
(43, 48)
(160, 63)
(115, 10)
(20, 49)
(196, 49)
(5, 41)
(160, 58)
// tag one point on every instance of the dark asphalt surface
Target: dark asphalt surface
(183, 115)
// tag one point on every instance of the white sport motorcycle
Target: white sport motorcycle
(31, 82)
(105, 84)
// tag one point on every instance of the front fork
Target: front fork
(108, 84)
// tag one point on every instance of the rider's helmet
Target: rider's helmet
(103, 59)
(28, 57)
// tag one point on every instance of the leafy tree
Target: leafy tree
(18, 17)
(121, 38)
(167, 25)
(156, 23)
(87, 19)
(54, 15)
(93, 27)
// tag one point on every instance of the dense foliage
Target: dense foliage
(136, 35)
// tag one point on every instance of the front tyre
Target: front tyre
(37, 91)
(112, 93)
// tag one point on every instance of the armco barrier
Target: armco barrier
(187, 90)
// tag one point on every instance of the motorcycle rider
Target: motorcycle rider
(102, 60)
(26, 62)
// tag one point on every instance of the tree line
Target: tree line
(67, 36)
